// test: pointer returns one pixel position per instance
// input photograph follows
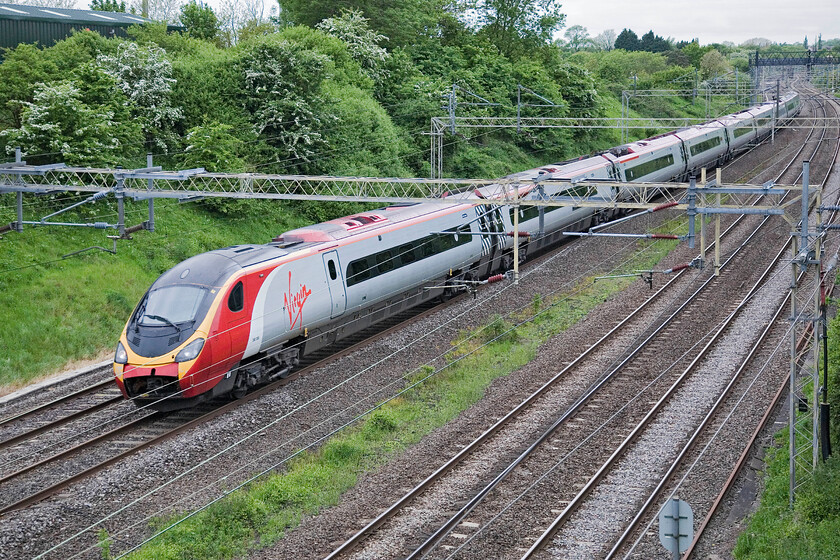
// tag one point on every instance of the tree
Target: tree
(244, 16)
(758, 42)
(200, 21)
(60, 124)
(653, 43)
(212, 146)
(713, 64)
(24, 67)
(403, 23)
(627, 40)
(108, 5)
(145, 77)
(517, 23)
(577, 37)
(352, 28)
(605, 40)
(282, 91)
(159, 10)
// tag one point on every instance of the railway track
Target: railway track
(130, 430)
(685, 480)
(436, 545)
(294, 376)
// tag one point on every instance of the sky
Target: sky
(712, 21)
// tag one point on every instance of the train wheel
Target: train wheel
(240, 386)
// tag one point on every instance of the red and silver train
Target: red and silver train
(225, 321)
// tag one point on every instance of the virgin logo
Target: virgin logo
(294, 302)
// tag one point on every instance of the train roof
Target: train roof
(347, 226)
(213, 268)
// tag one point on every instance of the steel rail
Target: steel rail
(575, 503)
(61, 421)
(432, 541)
(81, 392)
(51, 490)
(622, 448)
(783, 387)
(467, 450)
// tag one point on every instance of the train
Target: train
(228, 320)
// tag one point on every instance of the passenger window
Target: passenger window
(236, 299)
(331, 267)
(385, 261)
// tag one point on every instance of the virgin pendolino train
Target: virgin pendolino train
(228, 320)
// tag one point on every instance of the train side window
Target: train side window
(406, 254)
(332, 270)
(236, 299)
(385, 261)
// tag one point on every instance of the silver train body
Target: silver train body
(269, 304)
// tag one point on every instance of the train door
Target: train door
(335, 282)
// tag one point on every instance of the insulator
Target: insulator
(680, 267)
(99, 195)
(101, 225)
(663, 236)
(521, 234)
(496, 278)
(664, 206)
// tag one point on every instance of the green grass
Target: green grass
(260, 513)
(811, 529)
(54, 311)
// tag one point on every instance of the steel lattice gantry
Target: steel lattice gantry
(804, 58)
(153, 182)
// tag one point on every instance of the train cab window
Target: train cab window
(236, 299)
(331, 269)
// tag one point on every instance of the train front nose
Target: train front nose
(151, 382)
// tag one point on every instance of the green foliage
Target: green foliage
(810, 530)
(363, 43)
(402, 23)
(713, 64)
(628, 40)
(143, 74)
(282, 86)
(104, 541)
(653, 43)
(107, 5)
(364, 141)
(200, 20)
(695, 52)
(59, 125)
(213, 147)
(518, 26)
(23, 67)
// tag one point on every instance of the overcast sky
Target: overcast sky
(712, 21)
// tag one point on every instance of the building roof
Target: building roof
(63, 15)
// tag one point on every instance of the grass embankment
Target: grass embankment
(259, 514)
(54, 310)
(811, 529)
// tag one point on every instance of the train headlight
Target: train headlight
(120, 356)
(190, 351)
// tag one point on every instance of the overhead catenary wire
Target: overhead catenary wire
(441, 326)
(700, 339)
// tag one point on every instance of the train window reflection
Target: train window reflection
(171, 304)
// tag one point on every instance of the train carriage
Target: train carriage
(227, 320)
